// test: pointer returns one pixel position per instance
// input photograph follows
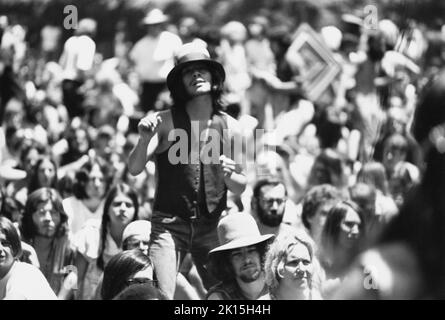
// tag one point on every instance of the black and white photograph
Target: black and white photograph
(244, 151)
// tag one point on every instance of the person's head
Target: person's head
(374, 174)
(240, 256)
(13, 209)
(344, 228)
(92, 179)
(234, 31)
(44, 215)
(317, 203)
(126, 268)
(188, 28)
(86, 26)
(136, 235)
(121, 207)
(78, 138)
(10, 245)
(142, 291)
(43, 174)
(195, 74)
(258, 26)
(30, 154)
(401, 182)
(269, 201)
(364, 195)
(290, 264)
(395, 149)
(328, 168)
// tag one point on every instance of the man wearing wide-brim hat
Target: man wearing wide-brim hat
(238, 261)
(191, 144)
(152, 57)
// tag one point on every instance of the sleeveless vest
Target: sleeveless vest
(191, 190)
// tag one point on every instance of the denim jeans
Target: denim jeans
(171, 238)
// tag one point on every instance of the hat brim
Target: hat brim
(242, 242)
(175, 74)
(153, 22)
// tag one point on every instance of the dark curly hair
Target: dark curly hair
(33, 182)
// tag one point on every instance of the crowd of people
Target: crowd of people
(336, 196)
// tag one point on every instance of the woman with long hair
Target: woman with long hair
(98, 241)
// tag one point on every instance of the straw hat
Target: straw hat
(155, 16)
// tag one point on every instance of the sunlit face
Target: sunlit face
(122, 210)
(298, 269)
(6, 255)
(46, 219)
(272, 203)
(197, 79)
(246, 263)
(350, 229)
(46, 173)
(96, 184)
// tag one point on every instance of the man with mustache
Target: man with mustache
(238, 261)
(268, 206)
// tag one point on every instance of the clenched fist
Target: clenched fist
(149, 125)
(228, 165)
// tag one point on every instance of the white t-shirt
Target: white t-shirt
(25, 282)
(154, 57)
(79, 214)
(78, 55)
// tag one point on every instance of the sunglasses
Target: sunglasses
(152, 282)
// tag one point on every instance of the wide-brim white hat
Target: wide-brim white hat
(155, 16)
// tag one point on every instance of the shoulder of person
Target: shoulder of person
(169, 36)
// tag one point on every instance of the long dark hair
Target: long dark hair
(120, 268)
(34, 183)
(83, 176)
(114, 191)
(43, 195)
(220, 263)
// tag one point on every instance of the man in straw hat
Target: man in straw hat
(238, 261)
(152, 57)
(192, 188)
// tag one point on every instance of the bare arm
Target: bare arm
(234, 176)
(149, 139)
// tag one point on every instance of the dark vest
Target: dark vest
(190, 190)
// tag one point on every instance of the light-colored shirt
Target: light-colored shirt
(78, 55)
(154, 57)
(25, 282)
(79, 214)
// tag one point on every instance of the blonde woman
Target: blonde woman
(292, 270)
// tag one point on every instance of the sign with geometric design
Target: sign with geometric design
(313, 61)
